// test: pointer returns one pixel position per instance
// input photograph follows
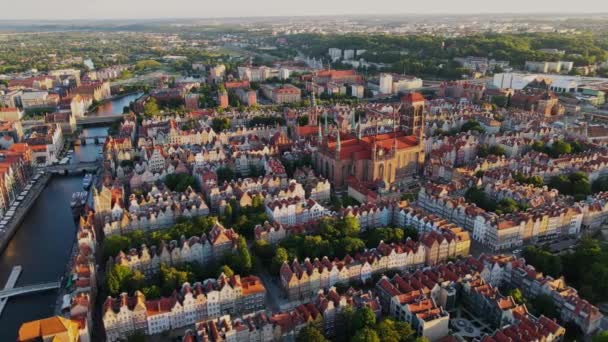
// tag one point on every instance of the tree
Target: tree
(518, 297)
(388, 235)
(472, 125)
(560, 147)
(480, 198)
(394, 331)
(574, 184)
(484, 151)
(147, 64)
(224, 174)
(220, 124)
(263, 249)
(112, 245)
(226, 270)
(366, 335)
(507, 206)
(151, 292)
(280, 256)
(228, 213)
(136, 337)
(151, 107)
(543, 305)
(543, 260)
(346, 329)
(171, 278)
(303, 120)
(364, 318)
(310, 334)
(136, 281)
(117, 278)
(350, 226)
(350, 245)
(245, 262)
(601, 337)
(179, 182)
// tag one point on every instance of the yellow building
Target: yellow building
(55, 329)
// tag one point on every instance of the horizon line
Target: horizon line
(420, 14)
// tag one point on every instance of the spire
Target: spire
(359, 131)
(352, 120)
(338, 144)
(320, 133)
(325, 116)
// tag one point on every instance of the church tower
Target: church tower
(313, 117)
(412, 114)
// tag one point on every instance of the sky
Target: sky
(147, 9)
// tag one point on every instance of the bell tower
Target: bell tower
(412, 114)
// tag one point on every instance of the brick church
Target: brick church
(389, 157)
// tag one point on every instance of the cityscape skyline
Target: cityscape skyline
(316, 172)
(137, 9)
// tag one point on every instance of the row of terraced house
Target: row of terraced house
(125, 316)
(323, 312)
(203, 250)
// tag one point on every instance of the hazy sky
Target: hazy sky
(136, 9)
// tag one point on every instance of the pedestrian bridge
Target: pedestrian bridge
(17, 291)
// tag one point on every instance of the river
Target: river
(41, 245)
(43, 242)
(115, 106)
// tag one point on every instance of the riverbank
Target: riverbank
(27, 203)
(42, 245)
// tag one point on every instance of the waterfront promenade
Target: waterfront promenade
(25, 205)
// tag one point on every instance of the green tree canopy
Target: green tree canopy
(366, 335)
(151, 107)
(395, 331)
(364, 318)
(310, 334)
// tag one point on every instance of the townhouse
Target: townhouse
(510, 271)
(527, 328)
(323, 312)
(46, 142)
(203, 250)
(549, 217)
(216, 194)
(15, 171)
(423, 298)
(443, 238)
(212, 298)
(301, 281)
(155, 210)
(274, 232)
(294, 211)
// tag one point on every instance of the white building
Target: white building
(335, 54)
(349, 54)
(386, 83)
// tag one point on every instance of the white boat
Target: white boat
(79, 199)
(87, 180)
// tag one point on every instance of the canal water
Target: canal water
(43, 242)
(41, 246)
(116, 106)
(90, 151)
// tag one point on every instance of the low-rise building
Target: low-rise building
(212, 298)
(282, 94)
